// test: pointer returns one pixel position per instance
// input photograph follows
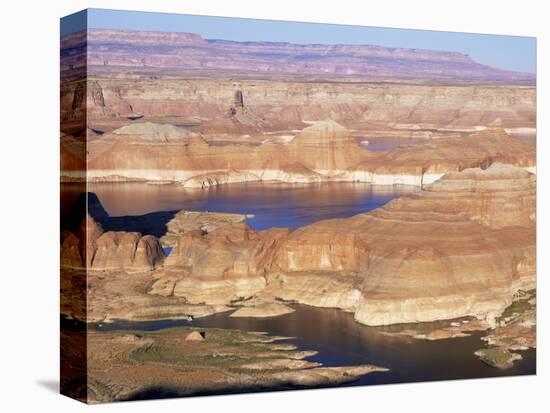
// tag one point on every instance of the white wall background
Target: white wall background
(29, 208)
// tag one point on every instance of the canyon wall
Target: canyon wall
(206, 104)
(461, 247)
(184, 78)
(324, 151)
(92, 249)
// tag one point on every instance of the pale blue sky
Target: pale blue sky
(505, 52)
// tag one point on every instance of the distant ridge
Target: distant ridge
(187, 51)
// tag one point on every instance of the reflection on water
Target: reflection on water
(341, 341)
(272, 204)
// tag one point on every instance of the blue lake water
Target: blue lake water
(341, 341)
(269, 204)
(338, 339)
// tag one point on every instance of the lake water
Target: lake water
(333, 333)
(341, 341)
(271, 204)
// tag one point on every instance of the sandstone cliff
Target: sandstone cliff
(205, 104)
(229, 263)
(280, 85)
(322, 152)
(461, 247)
(95, 250)
(204, 222)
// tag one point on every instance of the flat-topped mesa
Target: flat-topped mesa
(356, 50)
(112, 48)
(99, 37)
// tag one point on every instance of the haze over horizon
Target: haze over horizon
(500, 51)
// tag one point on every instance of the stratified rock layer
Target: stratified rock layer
(185, 221)
(461, 247)
(227, 264)
(190, 51)
(324, 151)
(96, 250)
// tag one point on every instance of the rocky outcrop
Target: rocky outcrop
(227, 264)
(127, 251)
(71, 254)
(329, 289)
(279, 88)
(424, 165)
(500, 196)
(445, 252)
(324, 151)
(148, 132)
(186, 221)
(95, 250)
(442, 253)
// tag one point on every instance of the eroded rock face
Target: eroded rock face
(226, 264)
(425, 165)
(128, 251)
(96, 250)
(186, 221)
(71, 255)
(326, 147)
(448, 251)
(503, 196)
(324, 151)
(442, 253)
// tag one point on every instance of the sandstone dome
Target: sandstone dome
(322, 130)
(326, 147)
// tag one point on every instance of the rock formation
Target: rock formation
(227, 264)
(128, 251)
(442, 253)
(174, 107)
(228, 89)
(185, 221)
(326, 148)
(461, 247)
(324, 151)
(95, 250)
(195, 336)
(190, 51)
